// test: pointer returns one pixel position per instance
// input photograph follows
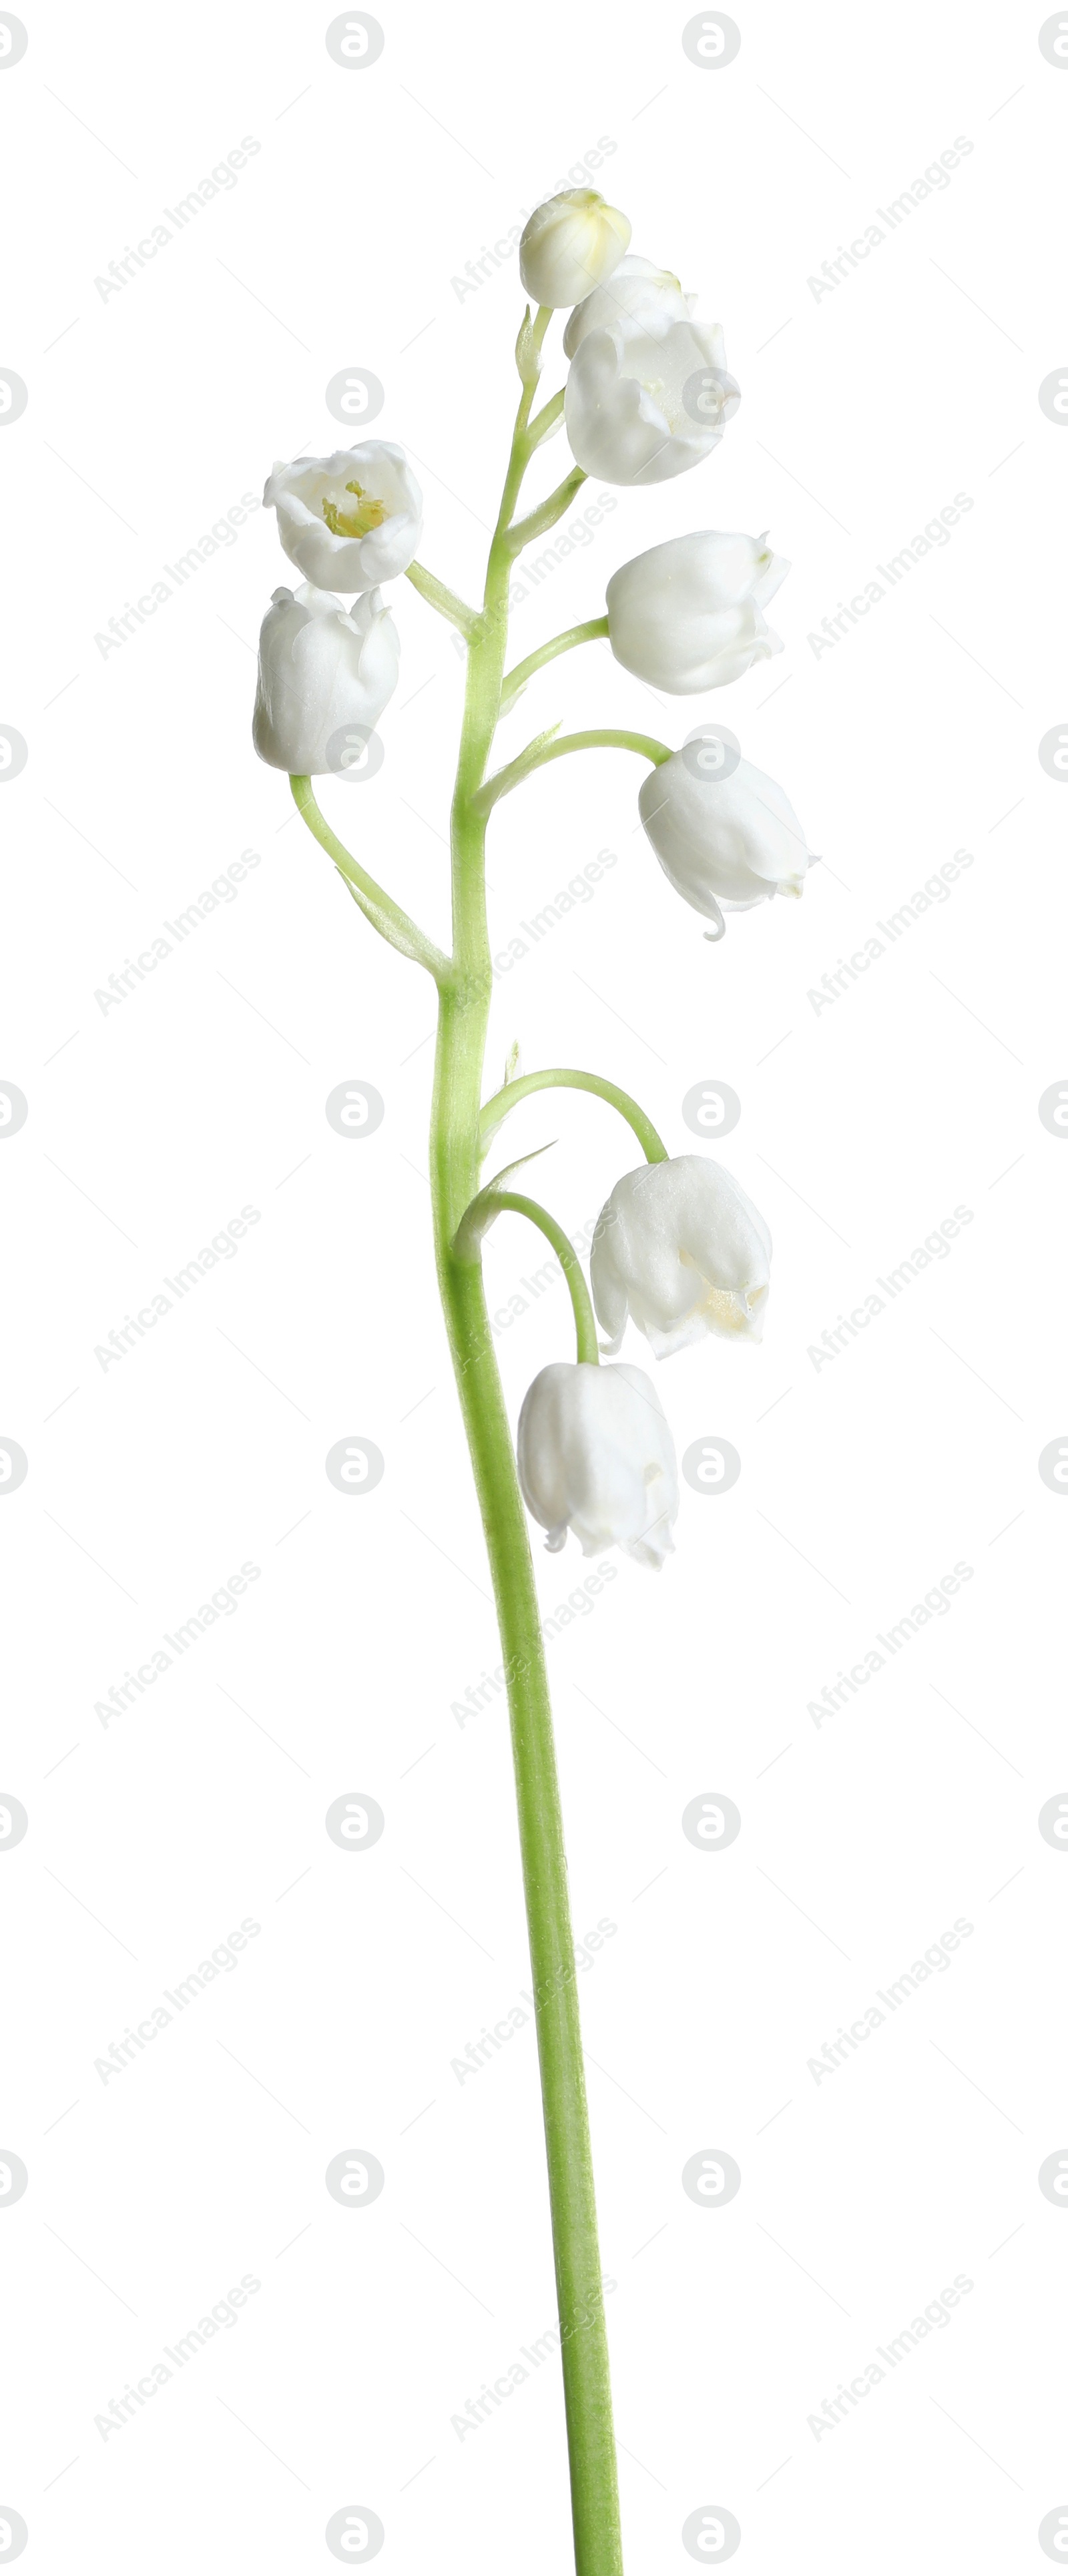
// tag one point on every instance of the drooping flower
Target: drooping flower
(726, 837)
(681, 1251)
(349, 520)
(322, 668)
(570, 245)
(644, 404)
(688, 614)
(596, 1456)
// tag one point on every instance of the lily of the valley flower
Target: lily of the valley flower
(643, 404)
(725, 842)
(596, 1456)
(322, 668)
(349, 520)
(637, 291)
(570, 245)
(682, 1251)
(688, 615)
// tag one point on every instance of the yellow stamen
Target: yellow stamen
(354, 523)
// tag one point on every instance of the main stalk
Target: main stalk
(464, 1000)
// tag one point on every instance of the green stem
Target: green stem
(603, 738)
(492, 1202)
(454, 1156)
(372, 898)
(563, 1076)
(565, 643)
(443, 599)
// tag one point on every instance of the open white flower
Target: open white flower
(725, 842)
(688, 615)
(643, 404)
(596, 1456)
(349, 520)
(682, 1251)
(322, 668)
(637, 291)
(571, 243)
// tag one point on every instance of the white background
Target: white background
(864, 1481)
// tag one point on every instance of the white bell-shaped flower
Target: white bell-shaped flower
(323, 669)
(596, 1456)
(349, 520)
(689, 614)
(726, 836)
(681, 1251)
(643, 403)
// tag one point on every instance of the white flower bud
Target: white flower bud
(322, 667)
(688, 615)
(570, 245)
(682, 1251)
(596, 1456)
(725, 841)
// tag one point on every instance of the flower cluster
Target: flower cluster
(348, 521)
(680, 1251)
(648, 395)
